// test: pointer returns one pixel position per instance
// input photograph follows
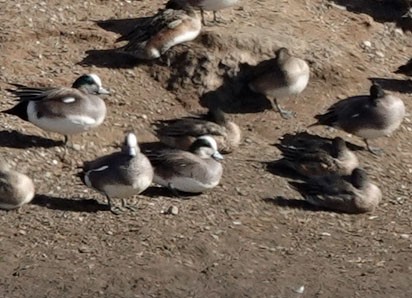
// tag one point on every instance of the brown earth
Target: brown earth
(240, 240)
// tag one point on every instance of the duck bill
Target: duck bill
(217, 155)
(103, 91)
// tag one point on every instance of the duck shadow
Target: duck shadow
(83, 205)
(234, 95)
(110, 58)
(402, 86)
(15, 139)
(160, 191)
(122, 26)
(292, 203)
(382, 11)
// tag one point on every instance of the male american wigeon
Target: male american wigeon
(280, 77)
(16, 189)
(193, 171)
(120, 174)
(366, 116)
(181, 133)
(169, 27)
(63, 110)
(320, 158)
(350, 194)
(206, 5)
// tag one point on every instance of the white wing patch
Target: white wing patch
(68, 99)
(355, 115)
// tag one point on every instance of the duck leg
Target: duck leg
(173, 190)
(202, 13)
(114, 209)
(373, 150)
(285, 114)
(66, 139)
(131, 207)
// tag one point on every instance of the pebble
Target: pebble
(380, 54)
(85, 249)
(367, 44)
(173, 210)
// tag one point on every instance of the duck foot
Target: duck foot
(374, 150)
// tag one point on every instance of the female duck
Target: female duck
(16, 189)
(353, 194)
(169, 27)
(366, 116)
(182, 133)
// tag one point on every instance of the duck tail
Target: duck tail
(329, 119)
(19, 110)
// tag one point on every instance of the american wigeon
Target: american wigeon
(405, 69)
(193, 171)
(63, 110)
(350, 194)
(169, 27)
(320, 158)
(16, 189)
(206, 5)
(367, 116)
(181, 133)
(120, 174)
(280, 77)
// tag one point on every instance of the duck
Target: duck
(350, 194)
(206, 5)
(120, 174)
(62, 110)
(320, 158)
(16, 189)
(194, 171)
(279, 77)
(169, 27)
(370, 116)
(181, 133)
(405, 69)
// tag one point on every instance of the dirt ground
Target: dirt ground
(241, 239)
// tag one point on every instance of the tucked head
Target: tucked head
(91, 83)
(338, 147)
(216, 115)
(130, 144)
(358, 178)
(205, 147)
(376, 91)
(282, 54)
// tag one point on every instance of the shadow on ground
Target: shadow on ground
(74, 205)
(15, 139)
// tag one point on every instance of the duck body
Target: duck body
(183, 132)
(368, 117)
(279, 77)
(311, 159)
(192, 171)
(350, 194)
(16, 189)
(63, 110)
(169, 27)
(120, 174)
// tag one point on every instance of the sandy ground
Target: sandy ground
(241, 239)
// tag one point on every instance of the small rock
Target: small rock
(367, 44)
(380, 54)
(300, 290)
(173, 210)
(85, 249)
(77, 147)
(404, 236)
